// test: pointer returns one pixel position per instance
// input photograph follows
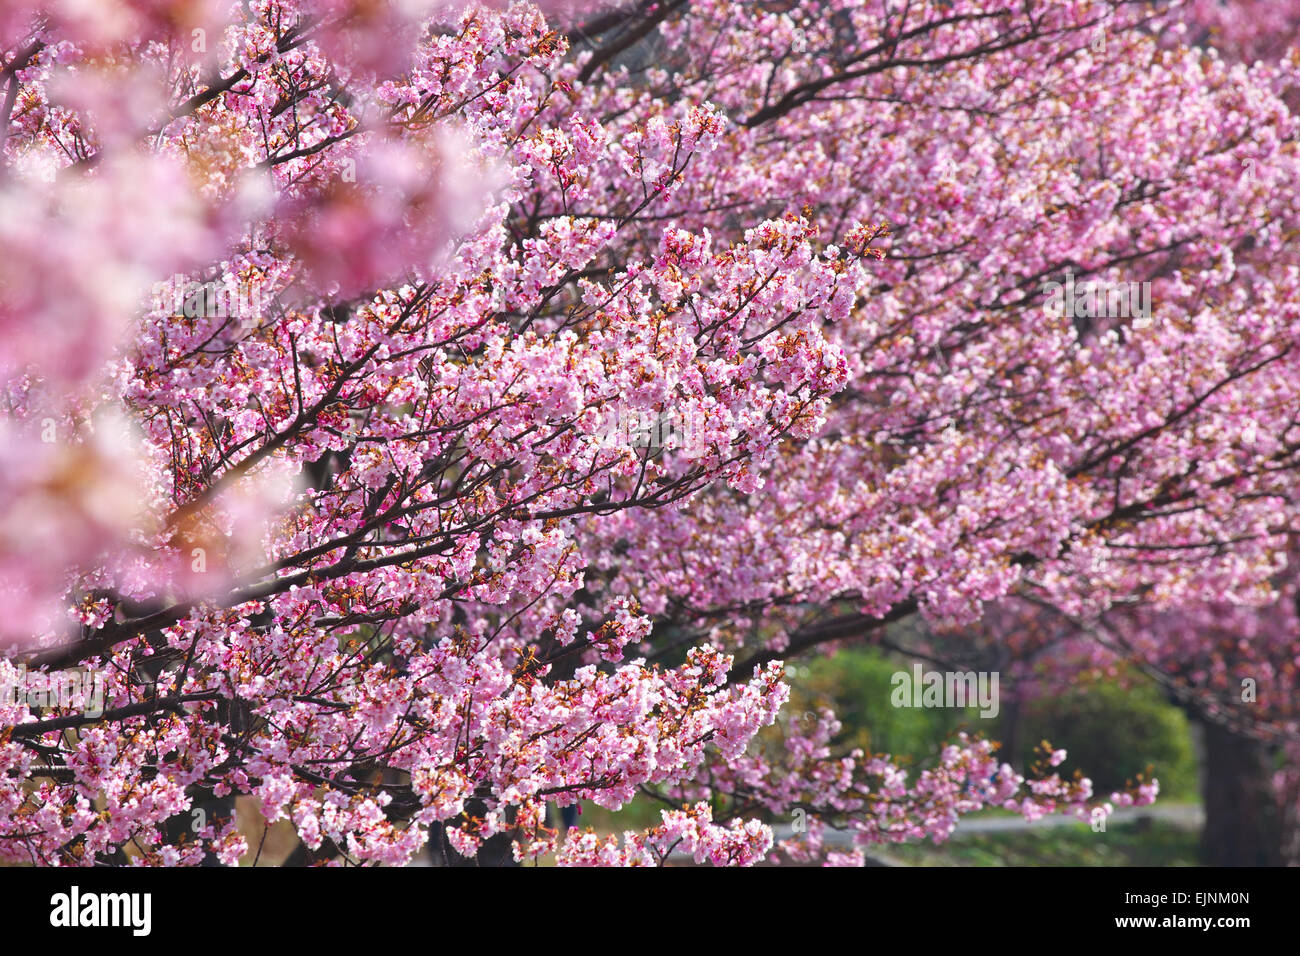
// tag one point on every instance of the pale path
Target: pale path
(1189, 815)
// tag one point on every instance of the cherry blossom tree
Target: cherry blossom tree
(1228, 660)
(421, 413)
(1230, 665)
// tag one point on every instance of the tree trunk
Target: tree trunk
(207, 810)
(1243, 822)
(496, 850)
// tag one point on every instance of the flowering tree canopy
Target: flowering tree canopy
(421, 412)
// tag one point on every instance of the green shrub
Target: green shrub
(1112, 734)
(857, 685)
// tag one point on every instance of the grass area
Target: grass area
(637, 814)
(1140, 843)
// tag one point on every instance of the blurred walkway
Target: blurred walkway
(1189, 815)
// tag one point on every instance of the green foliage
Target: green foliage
(856, 684)
(1113, 733)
